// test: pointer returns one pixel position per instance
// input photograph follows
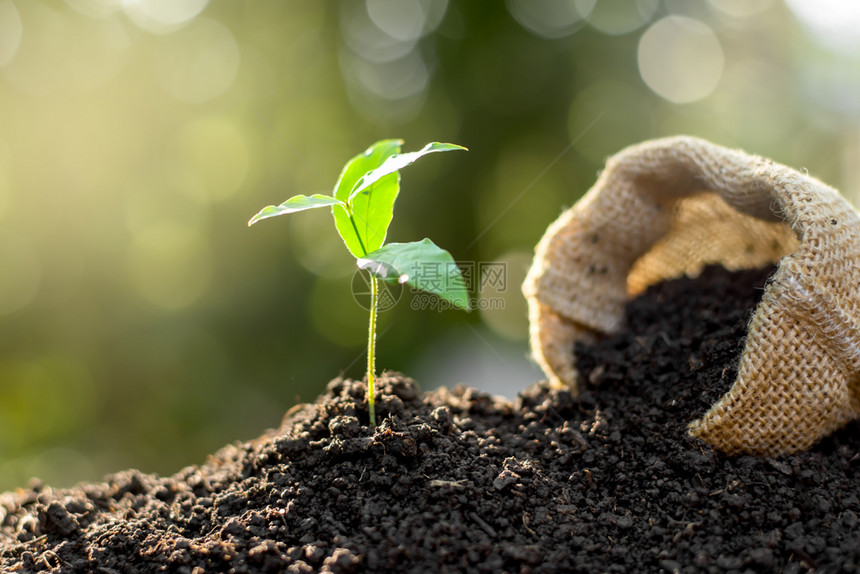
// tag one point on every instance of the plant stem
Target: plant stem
(371, 352)
(371, 333)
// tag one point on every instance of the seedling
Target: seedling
(363, 205)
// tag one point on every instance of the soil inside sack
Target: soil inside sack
(459, 481)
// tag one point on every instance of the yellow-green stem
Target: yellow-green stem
(371, 352)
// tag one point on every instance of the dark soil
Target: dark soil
(458, 481)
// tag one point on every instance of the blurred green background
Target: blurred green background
(142, 324)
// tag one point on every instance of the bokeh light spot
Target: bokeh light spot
(366, 40)
(401, 19)
(386, 75)
(37, 67)
(96, 8)
(549, 18)
(98, 50)
(394, 80)
(211, 156)
(680, 59)
(161, 16)
(61, 50)
(10, 31)
(198, 63)
(21, 272)
(169, 266)
(741, 8)
(616, 18)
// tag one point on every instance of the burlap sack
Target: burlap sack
(668, 207)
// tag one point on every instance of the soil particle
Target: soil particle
(459, 481)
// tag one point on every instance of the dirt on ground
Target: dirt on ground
(460, 481)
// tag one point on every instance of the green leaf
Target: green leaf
(370, 159)
(372, 213)
(422, 265)
(294, 204)
(397, 162)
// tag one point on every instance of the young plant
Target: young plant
(363, 205)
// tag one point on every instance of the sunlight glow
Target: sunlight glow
(161, 16)
(680, 59)
(834, 23)
(199, 63)
(10, 31)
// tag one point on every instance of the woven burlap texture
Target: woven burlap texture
(668, 207)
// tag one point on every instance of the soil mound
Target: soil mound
(459, 481)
